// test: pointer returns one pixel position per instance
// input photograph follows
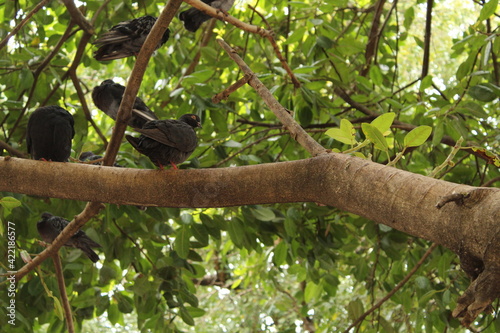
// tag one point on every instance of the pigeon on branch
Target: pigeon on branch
(126, 39)
(193, 18)
(167, 141)
(50, 226)
(108, 96)
(49, 134)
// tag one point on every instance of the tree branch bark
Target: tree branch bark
(297, 132)
(397, 198)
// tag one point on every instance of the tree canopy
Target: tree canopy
(310, 202)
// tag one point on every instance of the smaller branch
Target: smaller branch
(358, 106)
(393, 291)
(457, 198)
(12, 151)
(297, 132)
(85, 107)
(62, 291)
(23, 22)
(78, 17)
(98, 11)
(491, 182)
(427, 39)
(235, 86)
(135, 79)
(228, 18)
(36, 74)
(135, 243)
(90, 210)
(271, 39)
(196, 60)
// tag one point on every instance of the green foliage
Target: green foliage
(259, 268)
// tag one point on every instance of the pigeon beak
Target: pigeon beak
(198, 125)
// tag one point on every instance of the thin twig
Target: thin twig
(271, 39)
(62, 291)
(395, 289)
(192, 66)
(23, 22)
(232, 88)
(85, 107)
(228, 18)
(297, 132)
(36, 74)
(135, 243)
(78, 17)
(135, 79)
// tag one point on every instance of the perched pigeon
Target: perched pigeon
(167, 141)
(193, 17)
(108, 96)
(49, 134)
(89, 156)
(126, 38)
(50, 226)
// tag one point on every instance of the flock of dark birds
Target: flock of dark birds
(50, 129)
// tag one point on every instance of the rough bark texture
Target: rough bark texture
(400, 199)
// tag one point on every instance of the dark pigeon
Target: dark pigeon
(49, 134)
(89, 156)
(193, 18)
(108, 96)
(167, 141)
(126, 39)
(50, 226)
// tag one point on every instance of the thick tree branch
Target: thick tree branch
(297, 132)
(403, 201)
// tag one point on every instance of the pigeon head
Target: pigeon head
(191, 119)
(46, 215)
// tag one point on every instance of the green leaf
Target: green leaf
(263, 214)
(280, 252)
(312, 292)
(425, 83)
(290, 227)
(488, 10)
(125, 303)
(355, 309)
(199, 231)
(305, 116)
(383, 122)
(482, 93)
(376, 75)
(409, 15)
(186, 316)
(375, 136)
(417, 136)
(195, 312)
(9, 203)
(181, 244)
(113, 314)
(236, 230)
(345, 134)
